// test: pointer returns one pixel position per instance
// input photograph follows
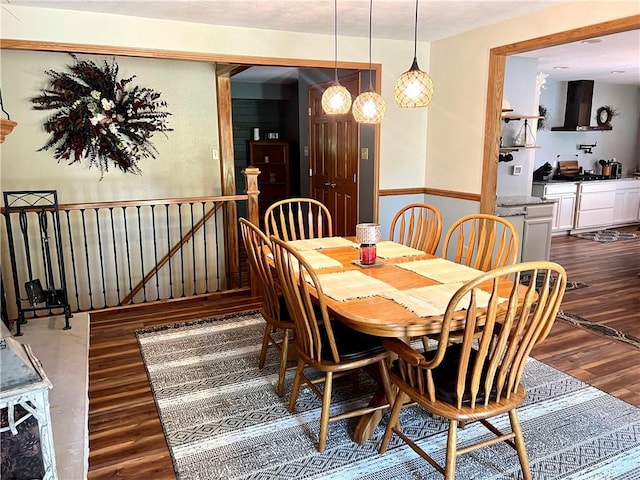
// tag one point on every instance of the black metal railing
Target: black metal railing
(133, 252)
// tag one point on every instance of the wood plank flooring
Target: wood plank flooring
(126, 440)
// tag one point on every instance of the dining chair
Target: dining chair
(481, 241)
(417, 225)
(298, 219)
(478, 378)
(323, 344)
(274, 309)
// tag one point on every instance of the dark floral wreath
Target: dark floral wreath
(101, 118)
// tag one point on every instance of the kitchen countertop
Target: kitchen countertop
(545, 182)
(514, 205)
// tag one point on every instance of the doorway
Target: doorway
(334, 142)
(278, 100)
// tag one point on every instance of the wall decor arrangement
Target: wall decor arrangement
(100, 118)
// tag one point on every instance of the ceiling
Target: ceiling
(392, 19)
(593, 59)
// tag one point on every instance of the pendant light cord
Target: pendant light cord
(370, 17)
(415, 35)
(335, 38)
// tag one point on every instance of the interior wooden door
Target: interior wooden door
(333, 159)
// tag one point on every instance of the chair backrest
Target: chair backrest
(257, 246)
(482, 241)
(297, 278)
(298, 219)
(417, 225)
(497, 339)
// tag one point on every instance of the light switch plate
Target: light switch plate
(517, 170)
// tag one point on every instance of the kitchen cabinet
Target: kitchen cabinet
(536, 232)
(272, 158)
(627, 201)
(564, 207)
(596, 202)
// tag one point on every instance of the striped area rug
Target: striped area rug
(223, 420)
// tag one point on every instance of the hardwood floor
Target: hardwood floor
(125, 436)
(612, 298)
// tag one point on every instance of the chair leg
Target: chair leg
(393, 421)
(265, 344)
(452, 440)
(283, 362)
(296, 385)
(520, 446)
(324, 416)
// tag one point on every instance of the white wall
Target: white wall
(619, 143)
(521, 92)
(445, 153)
(403, 132)
(183, 167)
(459, 69)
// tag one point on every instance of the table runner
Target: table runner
(351, 284)
(434, 299)
(442, 270)
(318, 243)
(319, 260)
(389, 249)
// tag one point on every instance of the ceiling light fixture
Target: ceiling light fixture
(336, 99)
(369, 107)
(615, 72)
(414, 87)
(560, 67)
(591, 40)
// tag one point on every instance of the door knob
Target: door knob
(330, 184)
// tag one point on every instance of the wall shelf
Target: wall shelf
(515, 149)
(511, 116)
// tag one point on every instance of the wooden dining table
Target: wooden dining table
(380, 315)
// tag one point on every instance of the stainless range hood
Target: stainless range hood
(577, 114)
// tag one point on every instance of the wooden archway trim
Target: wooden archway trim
(497, 59)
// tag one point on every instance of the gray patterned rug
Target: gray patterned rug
(607, 235)
(223, 420)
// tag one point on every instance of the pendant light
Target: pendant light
(414, 88)
(369, 107)
(336, 99)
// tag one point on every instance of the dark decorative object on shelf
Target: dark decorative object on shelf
(605, 114)
(101, 118)
(544, 116)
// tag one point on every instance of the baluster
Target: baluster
(181, 247)
(73, 259)
(144, 285)
(193, 252)
(215, 224)
(155, 250)
(204, 240)
(104, 282)
(166, 207)
(126, 239)
(115, 254)
(86, 254)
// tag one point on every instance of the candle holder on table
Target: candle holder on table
(368, 235)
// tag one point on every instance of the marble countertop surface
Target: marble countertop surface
(513, 200)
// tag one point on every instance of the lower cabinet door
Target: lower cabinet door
(536, 239)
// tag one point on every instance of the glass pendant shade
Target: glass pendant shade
(336, 100)
(368, 107)
(414, 88)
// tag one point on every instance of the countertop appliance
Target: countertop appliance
(570, 171)
(616, 169)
